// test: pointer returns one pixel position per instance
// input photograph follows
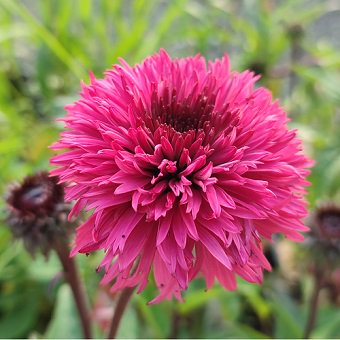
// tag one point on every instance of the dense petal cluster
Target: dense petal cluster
(186, 166)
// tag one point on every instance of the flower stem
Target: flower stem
(119, 311)
(175, 325)
(78, 291)
(314, 304)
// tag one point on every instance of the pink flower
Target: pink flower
(185, 166)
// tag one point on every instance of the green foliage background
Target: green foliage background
(47, 47)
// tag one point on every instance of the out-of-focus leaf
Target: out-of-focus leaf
(153, 39)
(128, 328)
(236, 330)
(230, 305)
(21, 319)
(289, 321)
(253, 294)
(156, 318)
(44, 270)
(65, 322)
(46, 36)
(196, 299)
(150, 319)
(328, 324)
(7, 256)
(14, 31)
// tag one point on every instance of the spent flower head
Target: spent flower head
(37, 212)
(186, 166)
(323, 242)
(327, 221)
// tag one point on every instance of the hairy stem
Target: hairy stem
(78, 291)
(119, 311)
(314, 304)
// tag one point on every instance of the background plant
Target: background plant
(48, 46)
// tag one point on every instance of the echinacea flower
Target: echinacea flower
(37, 212)
(185, 166)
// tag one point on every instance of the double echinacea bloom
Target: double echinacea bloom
(186, 167)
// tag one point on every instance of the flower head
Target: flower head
(36, 211)
(186, 167)
(327, 220)
(323, 242)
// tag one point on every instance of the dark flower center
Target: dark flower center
(185, 114)
(182, 124)
(34, 195)
(38, 194)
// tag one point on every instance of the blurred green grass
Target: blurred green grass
(47, 47)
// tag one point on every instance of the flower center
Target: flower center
(34, 195)
(183, 123)
(184, 114)
(38, 194)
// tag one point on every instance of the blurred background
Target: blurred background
(47, 47)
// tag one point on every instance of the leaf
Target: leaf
(239, 331)
(45, 35)
(65, 323)
(253, 294)
(197, 299)
(156, 318)
(128, 328)
(289, 322)
(20, 320)
(328, 324)
(44, 270)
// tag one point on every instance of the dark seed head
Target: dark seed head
(36, 211)
(37, 194)
(323, 242)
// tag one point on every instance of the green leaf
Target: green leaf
(128, 328)
(236, 330)
(45, 35)
(156, 319)
(22, 318)
(289, 321)
(43, 269)
(253, 294)
(198, 298)
(328, 324)
(65, 322)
